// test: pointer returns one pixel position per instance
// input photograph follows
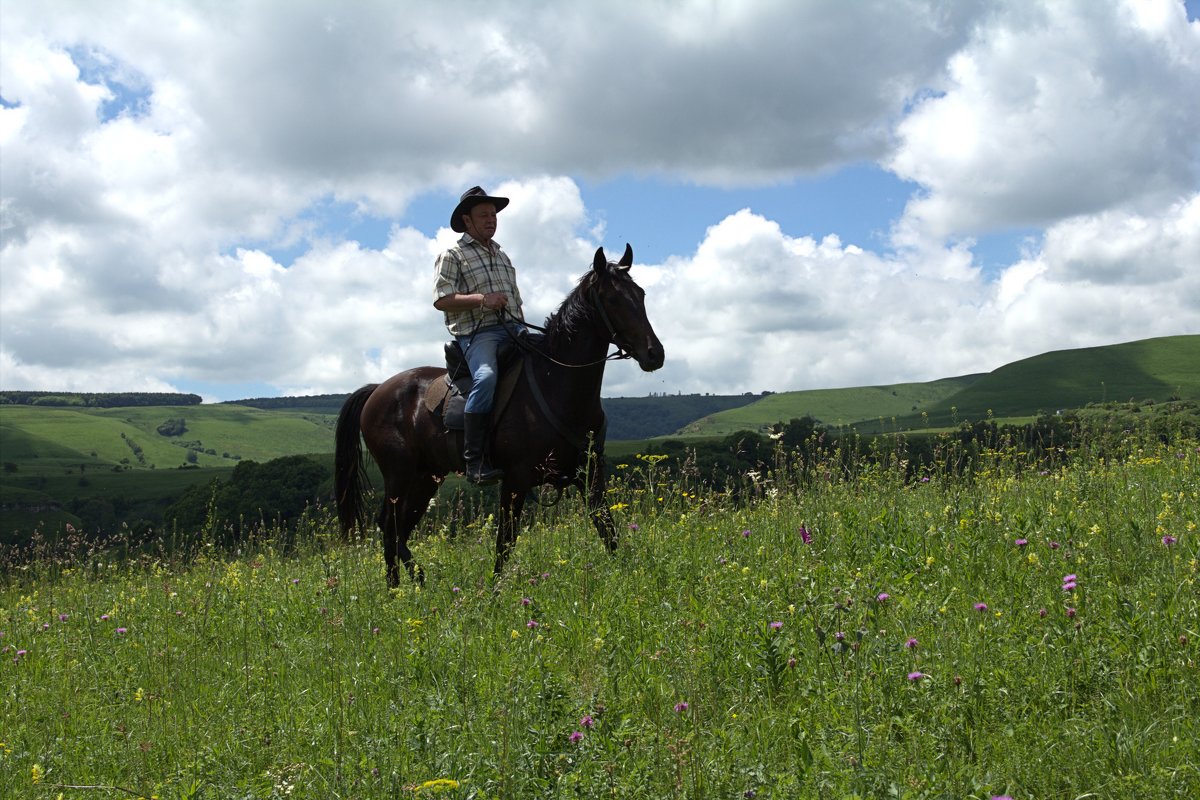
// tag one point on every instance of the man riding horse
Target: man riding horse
(475, 282)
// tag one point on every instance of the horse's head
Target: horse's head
(621, 304)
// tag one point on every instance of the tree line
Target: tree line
(98, 399)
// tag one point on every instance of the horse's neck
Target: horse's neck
(585, 351)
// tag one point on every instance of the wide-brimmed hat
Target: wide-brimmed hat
(471, 198)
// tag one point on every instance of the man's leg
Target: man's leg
(481, 355)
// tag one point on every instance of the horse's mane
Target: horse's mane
(574, 311)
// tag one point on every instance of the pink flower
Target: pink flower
(122, 631)
(681, 707)
(1169, 540)
(916, 676)
(1022, 542)
(883, 597)
(911, 643)
(746, 534)
(587, 721)
(576, 737)
(1070, 613)
(776, 626)
(981, 607)
(805, 536)
(533, 623)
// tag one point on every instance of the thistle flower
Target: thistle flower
(916, 676)
(576, 737)
(981, 607)
(776, 626)
(681, 707)
(1169, 540)
(805, 535)
(587, 721)
(883, 597)
(911, 643)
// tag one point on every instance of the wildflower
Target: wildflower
(776, 626)
(805, 535)
(1022, 542)
(36, 773)
(1069, 586)
(1169, 540)
(981, 607)
(375, 631)
(576, 737)
(295, 581)
(455, 590)
(791, 662)
(122, 631)
(438, 785)
(1042, 613)
(883, 597)
(681, 707)
(63, 617)
(633, 526)
(533, 623)
(916, 676)
(525, 601)
(104, 617)
(1070, 613)
(840, 636)
(746, 534)
(587, 721)
(911, 643)
(1054, 545)
(1001, 797)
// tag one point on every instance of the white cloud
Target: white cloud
(155, 155)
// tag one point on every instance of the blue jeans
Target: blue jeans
(482, 351)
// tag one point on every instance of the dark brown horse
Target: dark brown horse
(550, 431)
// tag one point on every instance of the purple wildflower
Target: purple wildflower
(916, 676)
(1070, 613)
(981, 607)
(911, 643)
(576, 737)
(533, 623)
(633, 526)
(122, 631)
(746, 534)
(1169, 540)
(525, 601)
(883, 597)
(805, 535)
(776, 626)
(1022, 542)
(587, 721)
(840, 636)
(681, 707)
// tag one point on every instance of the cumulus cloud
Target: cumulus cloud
(157, 157)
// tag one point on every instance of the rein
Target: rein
(594, 298)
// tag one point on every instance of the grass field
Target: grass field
(1026, 632)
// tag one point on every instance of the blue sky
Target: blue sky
(247, 200)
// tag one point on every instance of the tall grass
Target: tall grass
(827, 637)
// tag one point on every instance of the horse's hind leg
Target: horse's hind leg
(402, 510)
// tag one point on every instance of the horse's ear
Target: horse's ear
(600, 263)
(626, 260)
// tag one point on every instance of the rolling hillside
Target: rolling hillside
(1146, 370)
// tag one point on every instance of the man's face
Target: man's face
(481, 222)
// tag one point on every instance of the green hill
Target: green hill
(831, 407)
(1147, 370)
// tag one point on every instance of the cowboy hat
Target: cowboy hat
(471, 198)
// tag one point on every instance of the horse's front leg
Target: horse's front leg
(511, 505)
(598, 503)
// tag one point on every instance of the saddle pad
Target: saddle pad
(440, 391)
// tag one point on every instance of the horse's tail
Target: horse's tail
(348, 471)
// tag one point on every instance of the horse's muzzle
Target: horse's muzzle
(651, 357)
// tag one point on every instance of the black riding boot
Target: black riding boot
(475, 431)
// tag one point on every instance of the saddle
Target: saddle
(447, 398)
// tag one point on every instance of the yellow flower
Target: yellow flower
(36, 773)
(139, 695)
(438, 785)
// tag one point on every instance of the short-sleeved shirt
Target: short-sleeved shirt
(470, 267)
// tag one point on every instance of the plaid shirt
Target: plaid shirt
(469, 268)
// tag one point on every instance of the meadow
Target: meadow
(1025, 630)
